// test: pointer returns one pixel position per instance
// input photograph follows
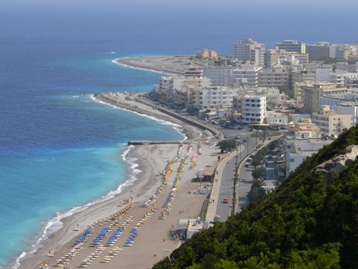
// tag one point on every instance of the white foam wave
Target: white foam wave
(55, 223)
(175, 126)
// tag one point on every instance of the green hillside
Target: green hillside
(304, 223)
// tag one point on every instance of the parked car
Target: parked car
(225, 201)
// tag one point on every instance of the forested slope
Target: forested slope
(304, 223)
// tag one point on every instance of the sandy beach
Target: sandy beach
(136, 209)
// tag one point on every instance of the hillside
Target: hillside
(304, 223)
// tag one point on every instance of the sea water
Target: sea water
(60, 150)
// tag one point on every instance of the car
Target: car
(244, 140)
(237, 137)
(247, 165)
(225, 201)
(243, 179)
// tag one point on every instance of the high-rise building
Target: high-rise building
(319, 51)
(250, 51)
(292, 45)
(254, 109)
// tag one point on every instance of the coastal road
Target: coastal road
(244, 178)
(224, 210)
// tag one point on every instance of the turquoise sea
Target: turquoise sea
(60, 150)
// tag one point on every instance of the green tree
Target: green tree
(286, 90)
(256, 192)
(258, 172)
(227, 144)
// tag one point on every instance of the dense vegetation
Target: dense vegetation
(227, 144)
(256, 192)
(305, 223)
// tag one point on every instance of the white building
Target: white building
(215, 97)
(331, 123)
(179, 91)
(298, 150)
(248, 72)
(254, 109)
(276, 119)
(348, 107)
(250, 51)
(340, 78)
(219, 76)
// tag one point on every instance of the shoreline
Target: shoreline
(142, 188)
(86, 215)
(171, 65)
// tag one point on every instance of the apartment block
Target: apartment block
(250, 73)
(221, 76)
(250, 51)
(331, 123)
(310, 95)
(215, 97)
(273, 55)
(275, 76)
(349, 108)
(254, 109)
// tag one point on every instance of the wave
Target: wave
(176, 127)
(55, 224)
